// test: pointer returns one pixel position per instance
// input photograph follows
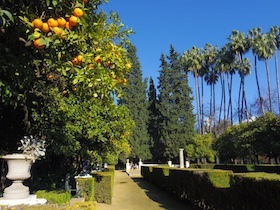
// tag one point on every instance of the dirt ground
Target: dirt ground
(134, 193)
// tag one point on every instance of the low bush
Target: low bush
(55, 197)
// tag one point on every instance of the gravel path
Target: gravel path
(133, 193)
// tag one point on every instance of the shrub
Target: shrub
(55, 197)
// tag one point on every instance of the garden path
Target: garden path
(134, 193)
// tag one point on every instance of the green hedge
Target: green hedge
(55, 197)
(85, 187)
(104, 184)
(241, 168)
(99, 187)
(218, 189)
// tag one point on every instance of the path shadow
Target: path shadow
(165, 200)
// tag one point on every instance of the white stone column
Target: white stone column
(127, 165)
(181, 155)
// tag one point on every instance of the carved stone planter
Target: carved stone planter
(19, 166)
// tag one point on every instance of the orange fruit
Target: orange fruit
(85, 1)
(75, 61)
(37, 44)
(68, 26)
(78, 12)
(50, 76)
(97, 59)
(61, 22)
(73, 20)
(57, 30)
(80, 58)
(45, 27)
(52, 22)
(37, 23)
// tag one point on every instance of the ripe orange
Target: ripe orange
(68, 26)
(61, 22)
(37, 44)
(80, 58)
(37, 23)
(97, 59)
(75, 61)
(50, 76)
(57, 30)
(52, 22)
(45, 27)
(78, 12)
(73, 20)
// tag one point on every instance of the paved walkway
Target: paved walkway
(134, 193)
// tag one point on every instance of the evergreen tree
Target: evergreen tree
(136, 101)
(153, 122)
(175, 107)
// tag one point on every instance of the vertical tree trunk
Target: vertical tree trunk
(268, 85)
(277, 81)
(258, 86)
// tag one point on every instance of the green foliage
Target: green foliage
(176, 120)
(104, 184)
(55, 197)
(135, 99)
(218, 189)
(44, 93)
(86, 188)
(219, 178)
(201, 146)
(250, 140)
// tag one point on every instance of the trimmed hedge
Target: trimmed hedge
(55, 197)
(217, 189)
(241, 168)
(85, 187)
(104, 184)
(99, 187)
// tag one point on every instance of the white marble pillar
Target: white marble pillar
(127, 165)
(181, 155)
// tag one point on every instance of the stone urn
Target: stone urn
(19, 166)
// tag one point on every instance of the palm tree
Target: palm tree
(253, 42)
(266, 48)
(275, 33)
(192, 62)
(239, 46)
(211, 79)
(210, 55)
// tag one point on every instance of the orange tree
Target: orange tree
(63, 64)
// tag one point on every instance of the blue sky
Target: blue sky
(184, 23)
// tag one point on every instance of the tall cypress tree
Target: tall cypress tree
(153, 127)
(175, 106)
(136, 101)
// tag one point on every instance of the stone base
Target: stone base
(31, 200)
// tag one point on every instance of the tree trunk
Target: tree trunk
(258, 86)
(268, 85)
(197, 100)
(277, 81)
